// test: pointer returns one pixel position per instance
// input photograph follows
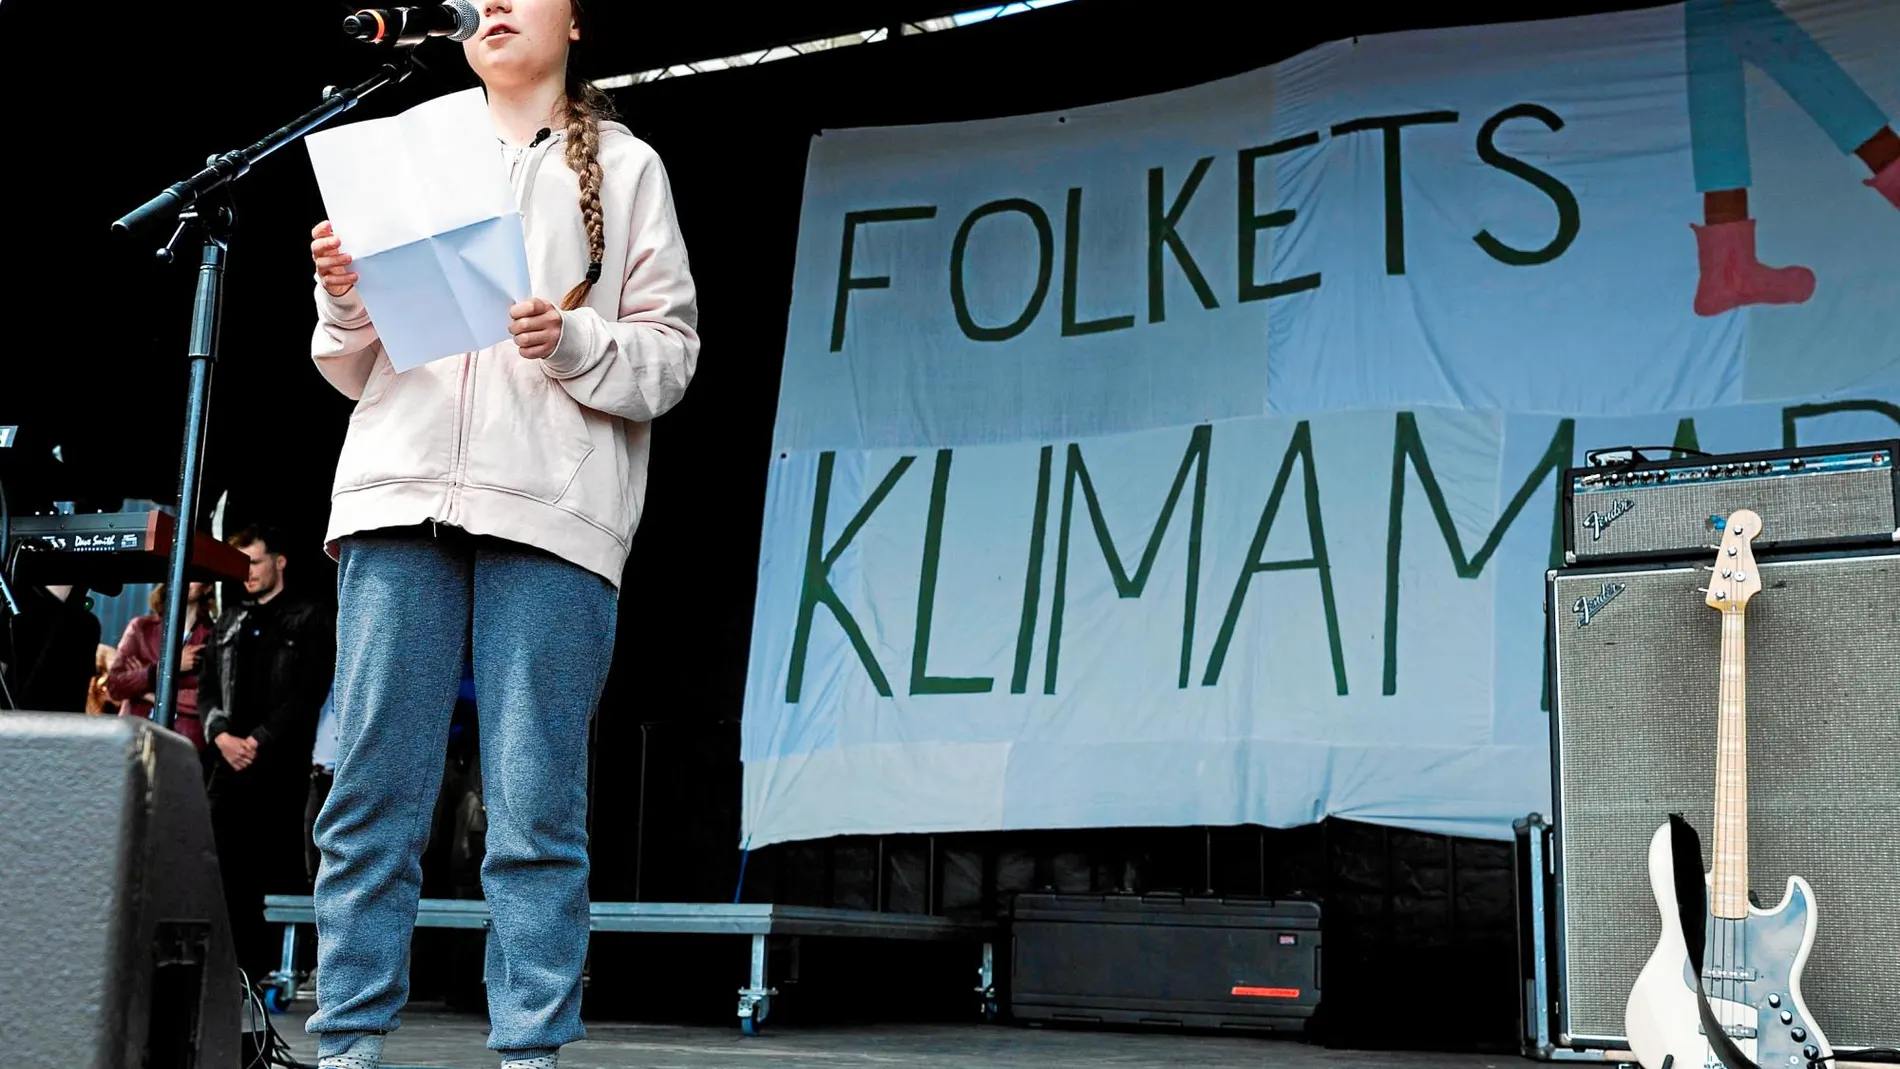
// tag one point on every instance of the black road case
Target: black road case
(1215, 963)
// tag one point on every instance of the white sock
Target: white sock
(365, 1053)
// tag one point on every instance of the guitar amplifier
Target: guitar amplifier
(1836, 496)
(1634, 708)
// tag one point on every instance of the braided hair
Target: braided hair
(586, 107)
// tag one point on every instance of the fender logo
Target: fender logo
(1588, 606)
(1597, 522)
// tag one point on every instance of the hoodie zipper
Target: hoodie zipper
(531, 158)
(461, 423)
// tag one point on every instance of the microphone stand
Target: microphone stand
(202, 205)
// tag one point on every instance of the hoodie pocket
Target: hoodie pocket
(403, 428)
(377, 388)
(525, 435)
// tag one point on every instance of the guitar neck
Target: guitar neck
(1729, 877)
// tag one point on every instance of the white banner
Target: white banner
(1191, 460)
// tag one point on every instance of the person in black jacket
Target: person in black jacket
(266, 675)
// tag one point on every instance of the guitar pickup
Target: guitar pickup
(1733, 1031)
(1744, 976)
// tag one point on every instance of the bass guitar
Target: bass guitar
(1751, 958)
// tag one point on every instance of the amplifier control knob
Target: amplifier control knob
(1797, 464)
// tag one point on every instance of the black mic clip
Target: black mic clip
(214, 212)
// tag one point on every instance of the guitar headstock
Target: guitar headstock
(1735, 579)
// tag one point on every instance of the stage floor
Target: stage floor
(433, 1038)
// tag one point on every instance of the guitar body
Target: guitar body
(1753, 972)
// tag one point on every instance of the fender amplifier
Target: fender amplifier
(1821, 497)
(1636, 687)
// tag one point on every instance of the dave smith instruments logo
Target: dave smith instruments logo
(1588, 606)
(1598, 521)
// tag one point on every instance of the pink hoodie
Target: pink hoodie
(551, 453)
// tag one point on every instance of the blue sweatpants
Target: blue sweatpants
(411, 605)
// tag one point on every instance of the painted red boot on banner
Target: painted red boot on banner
(1887, 182)
(1732, 276)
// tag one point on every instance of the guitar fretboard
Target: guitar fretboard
(1729, 874)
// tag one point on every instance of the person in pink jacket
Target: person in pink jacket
(485, 504)
(133, 678)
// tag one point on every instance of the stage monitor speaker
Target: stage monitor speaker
(115, 948)
(1635, 655)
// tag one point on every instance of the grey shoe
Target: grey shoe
(365, 1053)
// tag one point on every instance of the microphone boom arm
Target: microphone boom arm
(221, 171)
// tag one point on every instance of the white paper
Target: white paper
(424, 207)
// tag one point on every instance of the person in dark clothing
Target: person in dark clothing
(49, 651)
(267, 674)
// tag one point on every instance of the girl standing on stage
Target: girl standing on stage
(487, 502)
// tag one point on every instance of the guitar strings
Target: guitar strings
(1732, 631)
(1730, 932)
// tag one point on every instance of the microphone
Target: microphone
(456, 20)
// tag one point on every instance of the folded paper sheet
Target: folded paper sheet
(423, 205)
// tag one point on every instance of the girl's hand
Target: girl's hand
(333, 264)
(536, 327)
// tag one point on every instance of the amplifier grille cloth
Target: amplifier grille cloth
(1667, 519)
(1637, 699)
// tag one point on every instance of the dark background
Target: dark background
(106, 105)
